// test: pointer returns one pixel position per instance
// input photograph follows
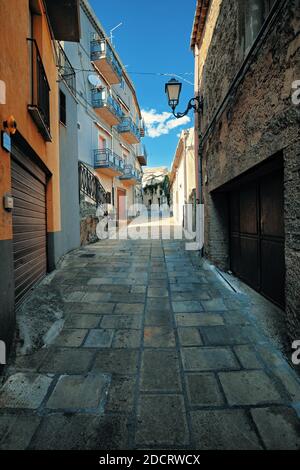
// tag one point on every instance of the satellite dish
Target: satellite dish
(94, 80)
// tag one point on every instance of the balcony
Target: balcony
(142, 128)
(108, 163)
(138, 176)
(130, 176)
(129, 131)
(39, 108)
(107, 109)
(141, 154)
(105, 60)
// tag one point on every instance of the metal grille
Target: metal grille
(89, 185)
(65, 68)
(40, 85)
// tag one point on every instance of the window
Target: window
(102, 143)
(108, 198)
(62, 108)
(253, 14)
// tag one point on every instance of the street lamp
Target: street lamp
(173, 90)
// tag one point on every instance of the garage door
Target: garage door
(257, 235)
(29, 226)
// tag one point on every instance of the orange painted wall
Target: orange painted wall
(15, 72)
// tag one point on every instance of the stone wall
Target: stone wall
(88, 222)
(257, 121)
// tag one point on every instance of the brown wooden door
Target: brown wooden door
(257, 235)
(29, 228)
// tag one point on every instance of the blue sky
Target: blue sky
(154, 37)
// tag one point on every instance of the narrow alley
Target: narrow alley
(156, 352)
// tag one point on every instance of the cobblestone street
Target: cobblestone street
(155, 352)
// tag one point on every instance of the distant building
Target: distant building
(183, 176)
(155, 186)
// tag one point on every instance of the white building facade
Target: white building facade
(183, 176)
(110, 126)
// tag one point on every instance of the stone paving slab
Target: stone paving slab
(189, 336)
(129, 339)
(24, 390)
(79, 392)
(66, 361)
(223, 430)
(121, 394)
(158, 292)
(158, 318)
(81, 432)
(93, 307)
(187, 306)
(279, 427)
(249, 388)
(71, 338)
(129, 309)
(198, 319)
(248, 356)
(169, 412)
(99, 338)
(133, 322)
(16, 432)
(117, 361)
(208, 359)
(203, 390)
(159, 337)
(82, 321)
(160, 371)
(227, 335)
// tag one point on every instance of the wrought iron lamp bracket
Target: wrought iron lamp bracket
(194, 103)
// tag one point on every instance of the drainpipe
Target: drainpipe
(198, 140)
(186, 133)
(197, 132)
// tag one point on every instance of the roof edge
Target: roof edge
(199, 21)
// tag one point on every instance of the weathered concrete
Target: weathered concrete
(127, 371)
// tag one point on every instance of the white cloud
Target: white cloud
(158, 124)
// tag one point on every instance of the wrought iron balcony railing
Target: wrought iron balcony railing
(90, 185)
(127, 126)
(39, 107)
(131, 173)
(142, 128)
(128, 172)
(101, 51)
(105, 158)
(109, 103)
(141, 154)
(65, 68)
(138, 175)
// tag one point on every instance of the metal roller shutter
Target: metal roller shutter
(29, 227)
